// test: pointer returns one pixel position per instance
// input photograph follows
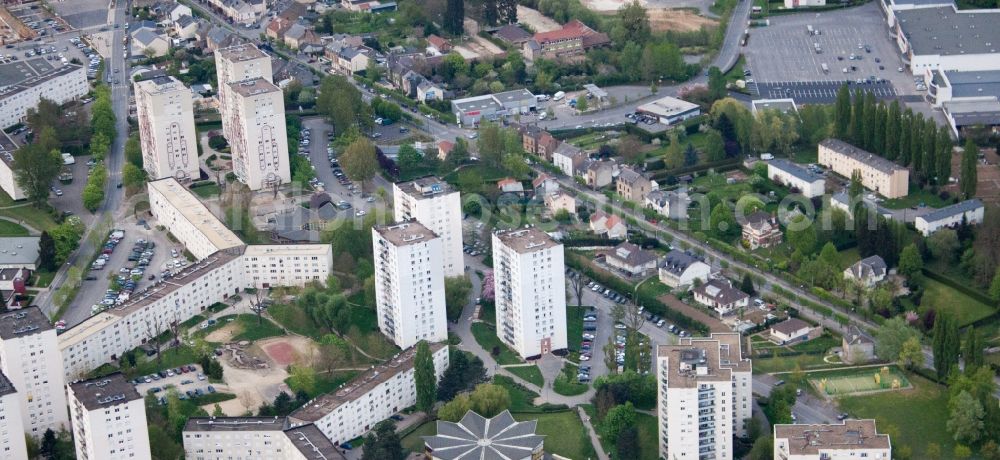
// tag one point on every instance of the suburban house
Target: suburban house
(558, 201)
(858, 347)
(792, 329)
(761, 230)
(610, 226)
(720, 295)
(186, 27)
(672, 204)
(147, 42)
(178, 10)
(544, 184)
(444, 148)
(510, 185)
(569, 159)
(868, 271)
(631, 259)
(437, 46)
(299, 35)
(950, 216)
(681, 268)
(631, 185)
(569, 42)
(350, 60)
(429, 91)
(337, 42)
(537, 141)
(600, 173)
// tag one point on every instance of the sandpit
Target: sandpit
(225, 333)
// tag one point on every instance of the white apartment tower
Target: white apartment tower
(30, 358)
(703, 398)
(530, 285)
(166, 128)
(12, 445)
(109, 419)
(409, 284)
(238, 63)
(434, 203)
(257, 136)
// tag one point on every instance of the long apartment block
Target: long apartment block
(878, 174)
(272, 438)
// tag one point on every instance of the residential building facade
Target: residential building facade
(109, 419)
(60, 85)
(630, 259)
(877, 174)
(29, 357)
(868, 271)
(12, 441)
(848, 440)
(790, 330)
(672, 204)
(269, 265)
(971, 211)
(600, 174)
(188, 219)
(259, 142)
(409, 284)
(761, 230)
(569, 159)
(720, 295)
(438, 206)
(609, 226)
(373, 396)
(273, 438)
(793, 176)
(681, 268)
(631, 185)
(233, 64)
(529, 281)
(166, 128)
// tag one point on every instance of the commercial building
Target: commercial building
(784, 105)
(469, 111)
(12, 442)
(704, 396)
(963, 114)
(720, 295)
(272, 438)
(682, 269)
(166, 128)
(267, 265)
(109, 419)
(670, 110)
(848, 440)
(438, 206)
(258, 139)
(529, 279)
(477, 437)
(374, 395)
(791, 175)
(29, 357)
(868, 271)
(19, 252)
(967, 98)
(188, 219)
(59, 84)
(632, 185)
(971, 211)
(233, 64)
(944, 37)
(409, 284)
(877, 174)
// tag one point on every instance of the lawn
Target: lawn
(819, 344)
(788, 364)
(40, 219)
(850, 381)
(520, 398)
(564, 433)
(645, 424)
(915, 197)
(296, 320)
(567, 384)
(206, 190)
(486, 337)
(246, 324)
(946, 299)
(325, 382)
(6, 200)
(530, 374)
(212, 398)
(168, 359)
(43, 279)
(736, 73)
(413, 442)
(8, 228)
(920, 414)
(806, 155)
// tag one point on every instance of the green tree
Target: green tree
(916, 141)
(965, 421)
(943, 244)
(99, 145)
(132, 176)
(972, 353)
(995, 286)
(456, 295)
(969, 178)
(911, 355)
(581, 103)
(869, 122)
(302, 378)
(674, 158)
(454, 14)
(633, 18)
(133, 150)
(842, 114)
(747, 284)
(47, 253)
(962, 451)
(878, 134)
(944, 148)
(910, 261)
(802, 234)
(627, 443)
(905, 127)
(617, 419)
(93, 192)
(489, 400)
(715, 146)
(424, 378)
(763, 449)
(724, 222)
(716, 84)
(858, 118)
(855, 189)
(35, 169)
(945, 345)
(491, 144)
(891, 336)
(359, 161)
(892, 126)
(454, 410)
(829, 254)
(929, 162)
(382, 443)
(409, 160)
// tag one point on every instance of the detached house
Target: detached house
(444, 148)
(631, 185)
(437, 46)
(672, 204)
(868, 271)
(610, 226)
(631, 259)
(569, 159)
(682, 269)
(351, 59)
(544, 184)
(761, 230)
(792, 329)
(186, 27)
(600, 174)
(557, 201)
(720, 295)
(510, 185)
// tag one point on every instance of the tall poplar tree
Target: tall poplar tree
(916, 141)
(878, 142)
(858, 119)
(967, 183)
(892, 126)
(842, 114)
(868, 130)
(904, 138)
(944, 147)
(929, 163)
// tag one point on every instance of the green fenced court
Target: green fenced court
(854, 381)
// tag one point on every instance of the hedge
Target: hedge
(958, 286)
(578, 242)
(721, 165)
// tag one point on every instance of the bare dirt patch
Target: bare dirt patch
(286, 350)
(537, 21)
(252, 387)
(225, 333)
(661, 20)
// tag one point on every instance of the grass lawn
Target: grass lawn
(805, 156)
(8, 228)
(296, 320)
(253, 331)
(206, 190)
(43, 279)
(325, 382)
(574, 326)
(6, 200)
(840, 382)
(648, 433)
(564, 433)
(920, 414)
(736, 73)
(569, 385)
(168, 359)
(946, 299)
(413, 442)
(821, 343)
(530, 374)
(787, 364)
(520, 398)
(914, 198)
(40, 219)
(486, 337)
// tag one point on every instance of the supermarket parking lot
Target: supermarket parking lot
(818, 92)
(82, 13)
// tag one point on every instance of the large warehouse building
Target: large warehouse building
(670, 110)
(967, 98)
(943, 37)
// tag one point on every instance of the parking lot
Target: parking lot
(189, 382)
(785, 51)
(43, 23)
(339, 188)
(82, 13)
(818, 92)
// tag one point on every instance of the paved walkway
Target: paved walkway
(593, 434)
(31, 230)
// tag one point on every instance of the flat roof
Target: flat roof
(19, 250)
(952, 210)
(253, 87)
(945, 31)
(406, 233)
(360, 385)
(667, 107)
(514, 95)
(312, 443)
(526, 240)
(192, 209)
(104, 391)
(784, 105)
(471, 104)
(974, 84)
(317, 249)
(863, 156)
(32, 81)
(15, 324)
(426, 187)
(228, 424)
(967, 113)
(795, 170)
(851, 434)
(719, 354)
(242, 52)
(161, 85)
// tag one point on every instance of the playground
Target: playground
(858, 380)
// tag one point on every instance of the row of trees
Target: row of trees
(93, 192)
(102, 122)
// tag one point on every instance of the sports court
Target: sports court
(859, 381)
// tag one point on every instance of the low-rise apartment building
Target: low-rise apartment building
(109, 419)
(971, 211)
(632, 185)
(600, 173)
(374, 395)
(409, 284)
(849, 440)
(569, 42)
(704, 396)
(569, 159)
(188, 219)
(12, 441)
(877, 174)
(60, 85)
(29, 357)
(793, 176)
(267, 265)
(272, 438)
